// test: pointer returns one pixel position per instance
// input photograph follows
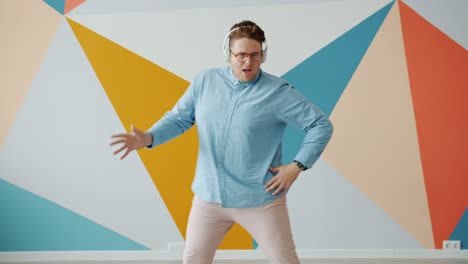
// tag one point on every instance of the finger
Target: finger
(124, 135)
(274, 169)
(273, 186)
(284, 187)
(120, 149)
(271, 181)
(278, 190)
(117, 142)
(132, 128)
(125, 154)
(138, 131)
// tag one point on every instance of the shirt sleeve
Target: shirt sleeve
(178, 120)
(295, 109)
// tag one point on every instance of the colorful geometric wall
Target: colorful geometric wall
(392, 76)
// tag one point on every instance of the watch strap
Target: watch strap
(300, 165)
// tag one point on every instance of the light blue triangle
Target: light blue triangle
(461, 231)
(323, 77)
(58, 5)
(31, 223)
(255, 244)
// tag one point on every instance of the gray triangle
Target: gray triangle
(328, 212)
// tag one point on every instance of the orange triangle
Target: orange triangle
(437, 68)
(141, 93)
(71, 4)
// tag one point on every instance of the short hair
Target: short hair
(247, 29)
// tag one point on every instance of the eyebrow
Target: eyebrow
(245, 52)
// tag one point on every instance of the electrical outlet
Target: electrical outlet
(176, 246)
(451, 245)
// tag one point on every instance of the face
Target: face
(247, 69)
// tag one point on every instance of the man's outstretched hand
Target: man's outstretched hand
(135, 139)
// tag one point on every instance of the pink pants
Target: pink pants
(268, 224)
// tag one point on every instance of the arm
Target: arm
(295, 109)
(176, 121)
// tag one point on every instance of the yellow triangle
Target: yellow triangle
(141, 92)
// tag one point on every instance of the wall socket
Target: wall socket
(451, 245)
(176, 246)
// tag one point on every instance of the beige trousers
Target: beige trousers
(268, 224)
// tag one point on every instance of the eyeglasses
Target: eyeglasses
(242, 57)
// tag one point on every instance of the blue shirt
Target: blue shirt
(240, 128)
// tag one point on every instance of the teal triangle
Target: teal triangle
(255, 244)
(461, 231)
(58, 5)
(31, 223)
(323, 77)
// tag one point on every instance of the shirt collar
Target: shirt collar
(232, 78)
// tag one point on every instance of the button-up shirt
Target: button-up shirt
(240, 127)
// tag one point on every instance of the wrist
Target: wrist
(148, 139)
(299, 165)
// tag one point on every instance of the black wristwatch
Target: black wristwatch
(300, 165)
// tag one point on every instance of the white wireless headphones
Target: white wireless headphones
(227, 52)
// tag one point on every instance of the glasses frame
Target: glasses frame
(247, 55)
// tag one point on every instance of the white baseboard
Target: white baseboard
(224, 255)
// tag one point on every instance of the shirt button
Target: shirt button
(219, 164)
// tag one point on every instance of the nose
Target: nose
(248, 60)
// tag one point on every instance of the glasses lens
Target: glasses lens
(242, 57)
(255, 56)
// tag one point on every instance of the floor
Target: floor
(304, 261)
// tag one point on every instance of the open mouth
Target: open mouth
(247, 71)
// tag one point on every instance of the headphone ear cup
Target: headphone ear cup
(226, 56)
(264, 51)
(227, 53)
